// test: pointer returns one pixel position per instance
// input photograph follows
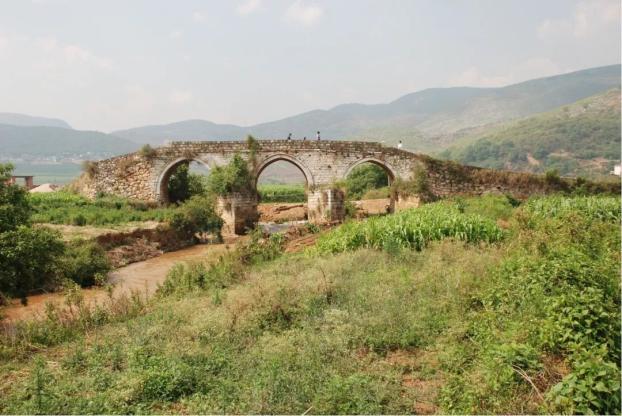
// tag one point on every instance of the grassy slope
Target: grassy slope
(443, 329)
(579, 139)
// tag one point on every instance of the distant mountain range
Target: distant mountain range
(427, 121)
(44, 141)
(419, 119)
(15, 119)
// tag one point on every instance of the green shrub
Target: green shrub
(84, 263)
(29, 260)
(230, 268)
(235, 177)
(197, 215)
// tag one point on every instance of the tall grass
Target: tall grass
(414, 228)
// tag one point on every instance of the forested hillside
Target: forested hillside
(578, 139)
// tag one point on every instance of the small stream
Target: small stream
(143, 276)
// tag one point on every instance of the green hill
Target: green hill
(578, 139)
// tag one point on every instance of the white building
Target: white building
(617, 170)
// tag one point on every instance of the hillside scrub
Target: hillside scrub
(527, 324)
(575, 140)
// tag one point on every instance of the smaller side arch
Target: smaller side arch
(287, 158)
(161, 185)
(383, 164)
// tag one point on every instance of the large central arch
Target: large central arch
(286, 158)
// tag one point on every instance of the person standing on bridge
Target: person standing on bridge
(318, 135)
(289, 137)
(399, 145)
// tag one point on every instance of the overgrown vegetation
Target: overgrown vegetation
(235, 177)
(472, 323)
(197, 216)
(147, 151)
(35, 258)
(184, 184)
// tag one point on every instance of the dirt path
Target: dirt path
(143, 276)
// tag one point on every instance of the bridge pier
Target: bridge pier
(326, 205)
(239, 213)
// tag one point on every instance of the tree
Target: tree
(15, 208)
(364, 178)
(178, 184)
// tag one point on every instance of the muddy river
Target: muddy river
(143, 277)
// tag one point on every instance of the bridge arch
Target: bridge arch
(389, 170)
(162, 195)
(263, 164)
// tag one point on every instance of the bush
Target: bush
(197, 215)
(234, 177)
(90, 168)
(147, 151)
(29, 260)
(84, 263)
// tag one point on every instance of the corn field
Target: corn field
(413, 229)
(592, 207)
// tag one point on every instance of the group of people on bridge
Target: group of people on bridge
(317, 137)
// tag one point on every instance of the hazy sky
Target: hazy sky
(120, 63)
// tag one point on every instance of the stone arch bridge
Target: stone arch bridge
(323, 163)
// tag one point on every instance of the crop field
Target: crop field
(67, 208)
(411, 229)
(269, 193)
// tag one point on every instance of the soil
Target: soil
(282, 212)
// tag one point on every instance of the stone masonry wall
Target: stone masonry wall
(322, 162)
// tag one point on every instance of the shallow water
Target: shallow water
(144, 277)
